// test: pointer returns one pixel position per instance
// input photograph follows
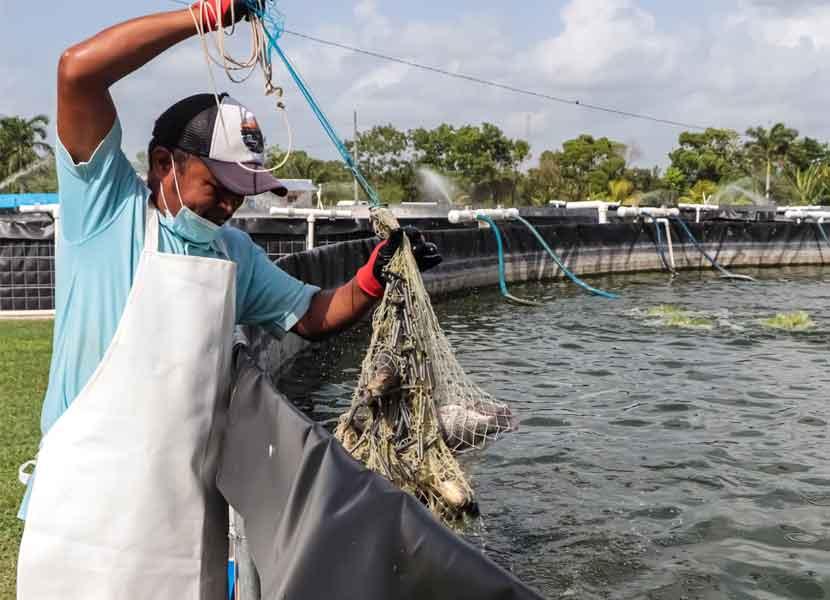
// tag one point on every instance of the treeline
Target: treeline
(486, 167)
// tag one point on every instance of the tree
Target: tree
(301, 165)
(481, 157)
(545, 182)
(383, 152)
(713, 155)
(22, 142)
(700, 192)
(674, 180)
(644, 180)
(40, 177)
(808, 186)
(620, 190)
(806, 152)
(590, 164)
(767, 146)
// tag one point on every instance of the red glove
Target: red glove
(371, 277)
(366, 278)
(209, 16)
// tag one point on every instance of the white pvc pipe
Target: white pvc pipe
(471, 215)
(311, 215)
(602, 208)
(320, 213)
(785, 209)
(309, 239)
(646, 211)
(801, 215)
(698, 208)
(665, 223)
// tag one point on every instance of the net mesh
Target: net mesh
(414, 406)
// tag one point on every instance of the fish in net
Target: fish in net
(414, 407)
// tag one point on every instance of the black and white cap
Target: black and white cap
(223, 140)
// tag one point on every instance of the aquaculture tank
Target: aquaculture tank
(671, 444)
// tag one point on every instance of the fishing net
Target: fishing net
(414, 406)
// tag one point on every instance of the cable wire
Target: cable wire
(496, 84)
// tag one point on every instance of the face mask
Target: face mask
(187, 224)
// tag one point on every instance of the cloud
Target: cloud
(750, 62)
(607, 42)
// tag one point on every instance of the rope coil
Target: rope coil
(260, 18)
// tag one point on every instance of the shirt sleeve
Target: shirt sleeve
(267, 295)
(93, 193)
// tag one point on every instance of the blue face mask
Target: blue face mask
(187, 224)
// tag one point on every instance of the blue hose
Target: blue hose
(502, 278)
(724, 272)
(565, 270)
(823, 233)
(272, 29)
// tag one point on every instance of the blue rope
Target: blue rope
(700, 249)
(565, 270)
(502, 278)
(823, 233)
(272, 25)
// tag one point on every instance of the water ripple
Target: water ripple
(650, 461)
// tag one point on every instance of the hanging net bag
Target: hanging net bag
(414, 406)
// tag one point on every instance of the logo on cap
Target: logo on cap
(251, 133)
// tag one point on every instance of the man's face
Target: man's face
(200, 191)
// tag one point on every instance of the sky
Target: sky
(721, 63)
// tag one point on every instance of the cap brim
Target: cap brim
(245, 182)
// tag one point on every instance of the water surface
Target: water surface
(652, 460)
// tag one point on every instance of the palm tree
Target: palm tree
(619, 190)
(22, 142)
(809, 185)
(769, 145)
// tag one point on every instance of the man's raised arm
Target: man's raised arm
(86, 71)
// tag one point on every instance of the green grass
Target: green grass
(25, 350)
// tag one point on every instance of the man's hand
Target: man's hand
(332, 311)
(371, 277)
(231, 12)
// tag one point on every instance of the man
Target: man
(150, 283)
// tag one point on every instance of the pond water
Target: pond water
(671, 443)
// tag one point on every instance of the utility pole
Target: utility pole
(356, 151)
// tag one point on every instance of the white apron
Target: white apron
(125, 504)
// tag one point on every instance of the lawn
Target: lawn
(25, 348)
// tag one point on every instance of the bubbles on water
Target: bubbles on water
(672, 316)
(793, 321)
(669, 315)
